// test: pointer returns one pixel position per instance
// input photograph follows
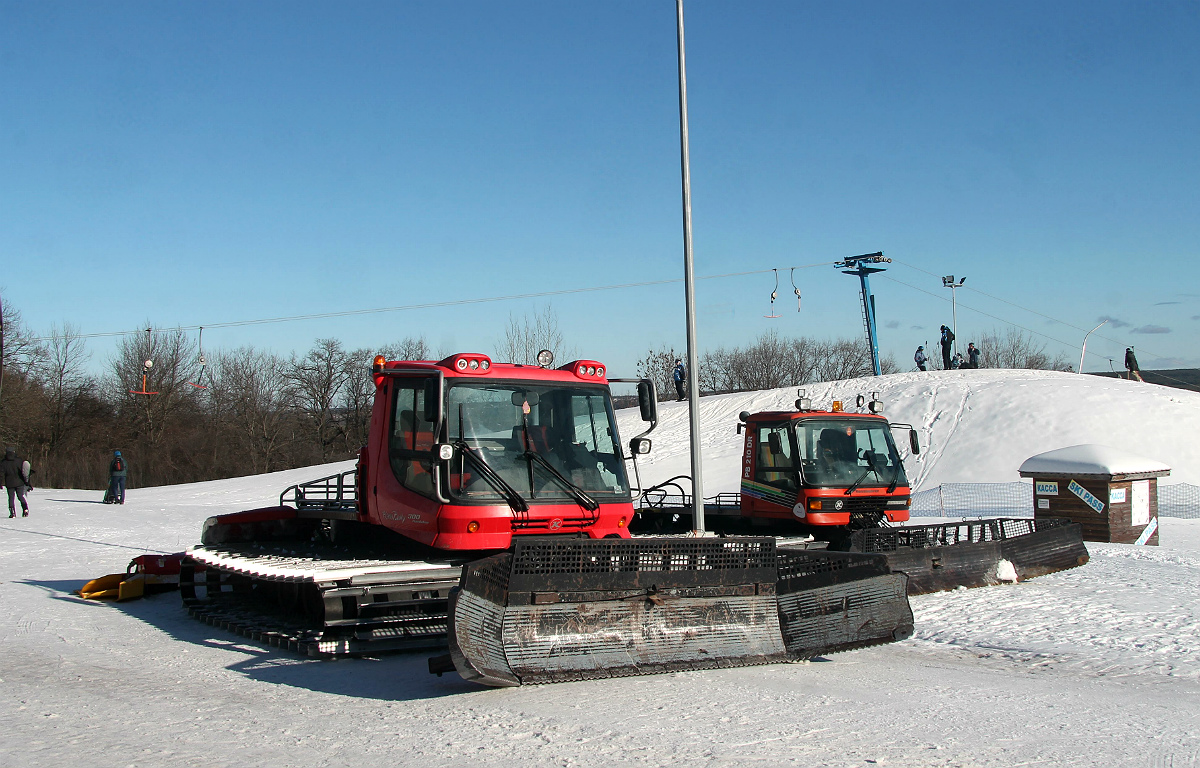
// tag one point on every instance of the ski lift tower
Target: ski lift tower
(858, 265)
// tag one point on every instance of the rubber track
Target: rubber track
(368, 606)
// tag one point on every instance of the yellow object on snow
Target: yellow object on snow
(115, 586)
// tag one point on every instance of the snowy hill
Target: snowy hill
(975, 426)
(1099, 665)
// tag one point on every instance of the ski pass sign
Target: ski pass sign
(1086, 496)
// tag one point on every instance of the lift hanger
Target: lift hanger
(774, 295)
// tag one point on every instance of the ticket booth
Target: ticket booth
(1112, 494)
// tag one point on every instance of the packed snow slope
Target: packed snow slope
(1096, 666)
(975, 426)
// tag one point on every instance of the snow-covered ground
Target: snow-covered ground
(1099, 665)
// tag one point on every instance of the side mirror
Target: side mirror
(648, 403)
(776, 443)
(913, 443)
(639, 446)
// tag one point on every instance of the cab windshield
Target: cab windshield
(842, 453)
(571, 428)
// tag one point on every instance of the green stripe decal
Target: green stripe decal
(768, 493)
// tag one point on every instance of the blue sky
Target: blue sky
(200, 163)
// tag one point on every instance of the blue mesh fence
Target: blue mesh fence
(961, 500)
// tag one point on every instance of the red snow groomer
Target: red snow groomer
(838, 477)
(490, 510)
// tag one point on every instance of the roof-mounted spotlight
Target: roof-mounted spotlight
(545, 358)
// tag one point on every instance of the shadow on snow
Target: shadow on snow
(387, 677)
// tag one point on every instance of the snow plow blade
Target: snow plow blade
(976, 553)
(555, 611)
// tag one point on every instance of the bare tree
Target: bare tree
(529, 334)
(409, 348)
(253, 397)
(658, 366)
(1014, 348)
(173, 366)
(65, 384)
(317, 379)
(20, 352)
(843, 359)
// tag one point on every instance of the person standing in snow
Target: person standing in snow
(679, 376)
(117, 471)
(947, 341)
(1131, 365)
(16, 481)
(920, 358)
(972, 355)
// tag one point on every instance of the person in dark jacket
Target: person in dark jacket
(680, 375)
(16, 481)
(920, 358)
(947, 342)
(1131, 365)
(117, 471)
(973, 354)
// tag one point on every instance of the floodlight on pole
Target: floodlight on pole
(948, 282)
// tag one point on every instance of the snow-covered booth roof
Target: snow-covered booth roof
(1093, 460)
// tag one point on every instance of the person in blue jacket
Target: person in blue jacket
(679, 376)
(117, 472)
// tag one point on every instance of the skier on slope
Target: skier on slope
(946, 341)
(1131, 365)
(920, 358)
(117, 471)
(16, 481)
(679, 376)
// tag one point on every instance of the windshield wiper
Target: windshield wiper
(858, 482)
(493, 478)
(895, 476)
(577, 493)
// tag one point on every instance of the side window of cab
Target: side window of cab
(411, 438)
(775, 465)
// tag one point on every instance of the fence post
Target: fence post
(941, 503)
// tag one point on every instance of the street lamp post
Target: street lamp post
(948, 282)
(689, 290)
(1084, 350)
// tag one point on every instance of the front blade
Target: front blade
(579, 609)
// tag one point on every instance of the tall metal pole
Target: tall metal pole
(1084, 350)
(689, 290)
(869, 313)
(954, 315)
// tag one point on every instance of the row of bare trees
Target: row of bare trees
(181, 418)
(246, 411)
(769, 362)
(772, 361)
